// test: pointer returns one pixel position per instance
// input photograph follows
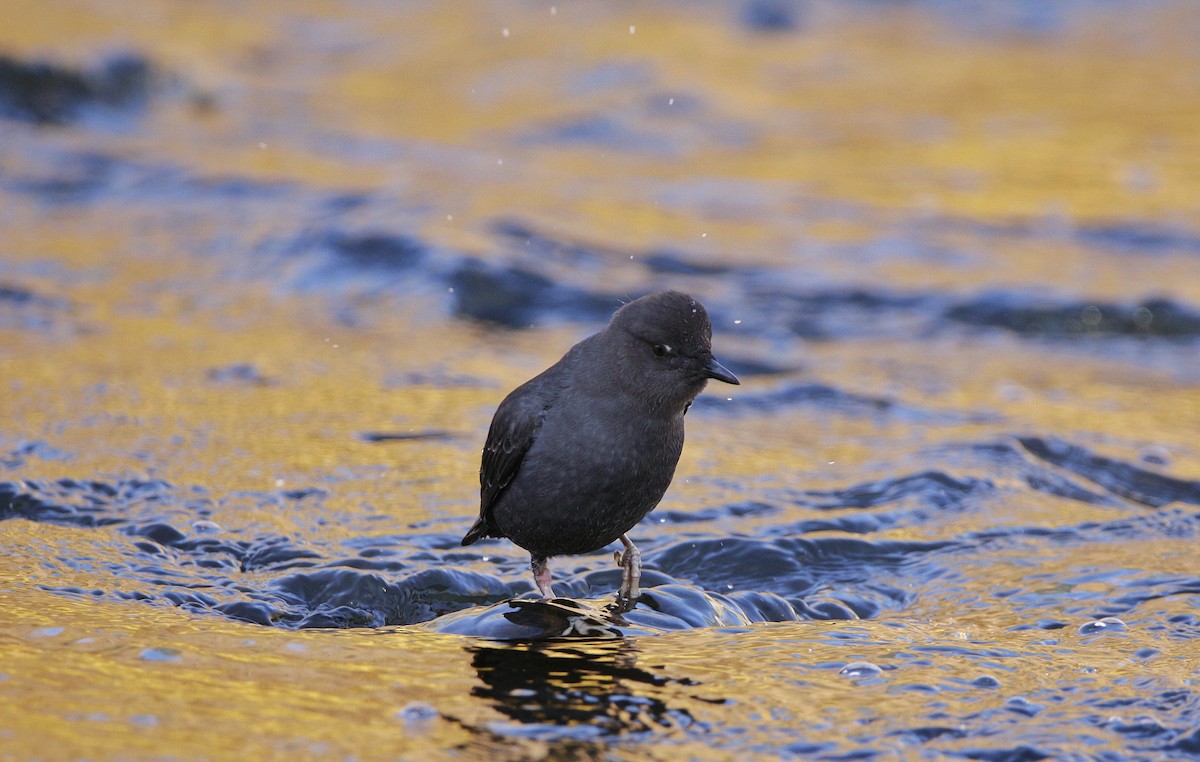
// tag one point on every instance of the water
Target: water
(265, 277)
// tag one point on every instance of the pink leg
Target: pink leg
(541, 577)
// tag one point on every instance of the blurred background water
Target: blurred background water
(266, 270)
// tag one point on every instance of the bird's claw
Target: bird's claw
(631, 562)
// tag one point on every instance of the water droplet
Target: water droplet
(1105, 624)
(860, 669)
(417, 713)
(47, 632)
(161, 654)
(1155, 455)
(1142, 317)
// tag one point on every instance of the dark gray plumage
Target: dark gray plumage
(578, 455)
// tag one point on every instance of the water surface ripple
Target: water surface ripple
(264, 278)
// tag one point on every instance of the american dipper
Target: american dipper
(579, 454)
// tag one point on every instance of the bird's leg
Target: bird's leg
(541, 576)
(631, 562)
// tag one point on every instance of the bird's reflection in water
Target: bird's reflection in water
(594, 687)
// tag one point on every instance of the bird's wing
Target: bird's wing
(513, 431)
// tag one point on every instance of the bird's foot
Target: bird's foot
(631, 563)
(541, 577)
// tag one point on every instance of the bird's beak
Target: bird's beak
(718, 371)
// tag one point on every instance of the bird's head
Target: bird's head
(665, 348)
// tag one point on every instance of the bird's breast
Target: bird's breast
(589, 478)
(616, 443)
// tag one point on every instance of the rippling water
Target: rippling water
(265, 275)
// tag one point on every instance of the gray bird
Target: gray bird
(579, 454)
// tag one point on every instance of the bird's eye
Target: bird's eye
(662, 350)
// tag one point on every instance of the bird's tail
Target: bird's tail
(478, 531)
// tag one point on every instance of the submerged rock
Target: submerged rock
(1032, 317)
(48, 93)
(514, 297)
(660, 609)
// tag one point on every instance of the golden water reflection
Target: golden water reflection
(821, 153)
